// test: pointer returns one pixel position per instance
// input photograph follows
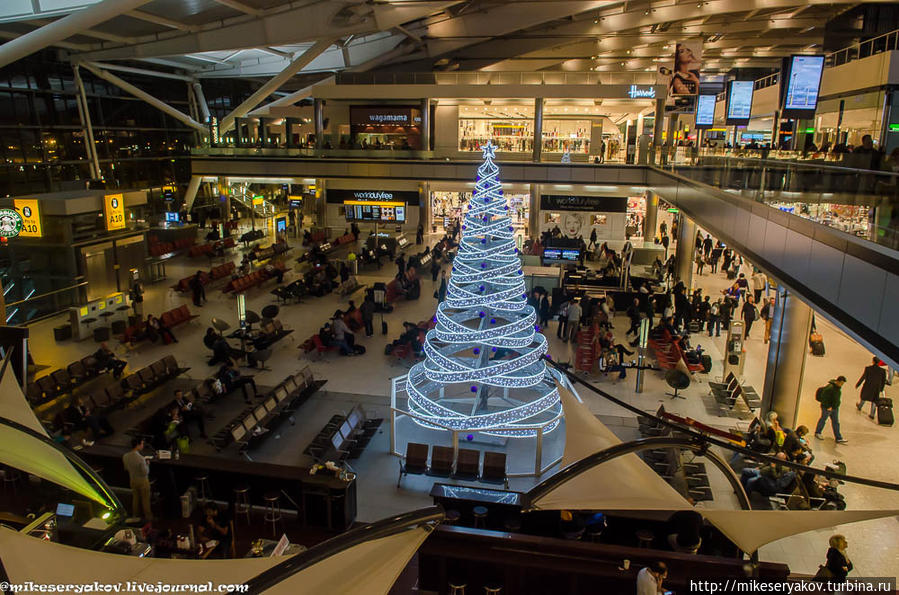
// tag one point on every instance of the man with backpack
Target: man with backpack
(829, 398)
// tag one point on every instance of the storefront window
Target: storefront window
(509, 135)
(385, 127)
(566, 135)
(447, 206)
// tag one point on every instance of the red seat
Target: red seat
(321, 347)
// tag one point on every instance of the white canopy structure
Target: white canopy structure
(370, 567)
(31, 454)
(627, 483)
(624, 483)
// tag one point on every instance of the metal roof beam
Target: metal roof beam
(275, 83)
(141, 94)
(158, 20)
(276, 28)
(64, 28)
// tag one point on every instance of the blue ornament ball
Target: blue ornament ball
(483, 265)
(493, 350)
(548, 356)
(469, 437)
(476, 351)
(484, 241)
(493, 321)
(481, 314)
(474, 389)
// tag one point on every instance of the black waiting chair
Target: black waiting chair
(415, 461)
(468, 465)
(441, 461)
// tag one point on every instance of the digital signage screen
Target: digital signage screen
(383, 212)
(803, 81)
(705, 111)
(739, 101)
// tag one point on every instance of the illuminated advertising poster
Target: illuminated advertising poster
(683, 78)
(804, 83)
(705, 111)
(114, 211)
(30, 211)
(739, 101)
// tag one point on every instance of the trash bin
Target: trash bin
(62, 332)
(101, 333)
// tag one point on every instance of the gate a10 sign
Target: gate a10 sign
(30, 211)
(114, 211)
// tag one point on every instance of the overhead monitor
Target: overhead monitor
(705, 111)
(739, 102)
(385, 212)
(802, 81)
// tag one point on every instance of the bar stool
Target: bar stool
(512, 524)
(242, 501)
(452, 517)
(273, 510)
(645, 538)
(480, 517)
(493, 589)
(457, 587)
(11, 478)
(204, 493)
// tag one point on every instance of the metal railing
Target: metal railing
(486, 77)
(38, 307)
(877, 45)
(840, 191)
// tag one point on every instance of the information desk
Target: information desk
(325, 500)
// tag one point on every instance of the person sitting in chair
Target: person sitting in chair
(190, 412)
(216, 526)
(85, 416)
(106, 360)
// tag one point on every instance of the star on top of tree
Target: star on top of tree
(489, 149)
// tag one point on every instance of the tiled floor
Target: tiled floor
(875, 544)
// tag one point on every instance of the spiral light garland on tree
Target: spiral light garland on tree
(483, 369)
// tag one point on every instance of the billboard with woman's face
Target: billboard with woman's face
(683, 79)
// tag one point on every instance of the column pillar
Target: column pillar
(85, 114)
(426, 124)
(318, 118)
(534, 212)
(686, 249)
(424, 205)
(786, 357)
(538, 128)
(651, 218)
(321, 204)
(657, 126)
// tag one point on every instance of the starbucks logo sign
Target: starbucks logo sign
(10, 223)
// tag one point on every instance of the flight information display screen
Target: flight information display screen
(739, 101)
(803, 83)
(384, 212)
(705, 111)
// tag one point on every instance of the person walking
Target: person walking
(665, 241)
(715, 318)
(707, 244)
(138, 474)
(544, 310)
(441, 291)
(592, 239)
(368, 314)
(767, 314)
(872, 381)
(838, 563)
(700, 262)
(137, 299)
(829, 398)
(749, 314)
(574, 319)
(420, 234)
(562, 332)
(197, 290)
(758, 282)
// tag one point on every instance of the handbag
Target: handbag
(823, 573)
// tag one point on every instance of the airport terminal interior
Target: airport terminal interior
(449, 296)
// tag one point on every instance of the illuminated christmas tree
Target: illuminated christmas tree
(484, 369)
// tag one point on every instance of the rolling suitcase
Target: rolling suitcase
(885, 411)
(706, 363)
